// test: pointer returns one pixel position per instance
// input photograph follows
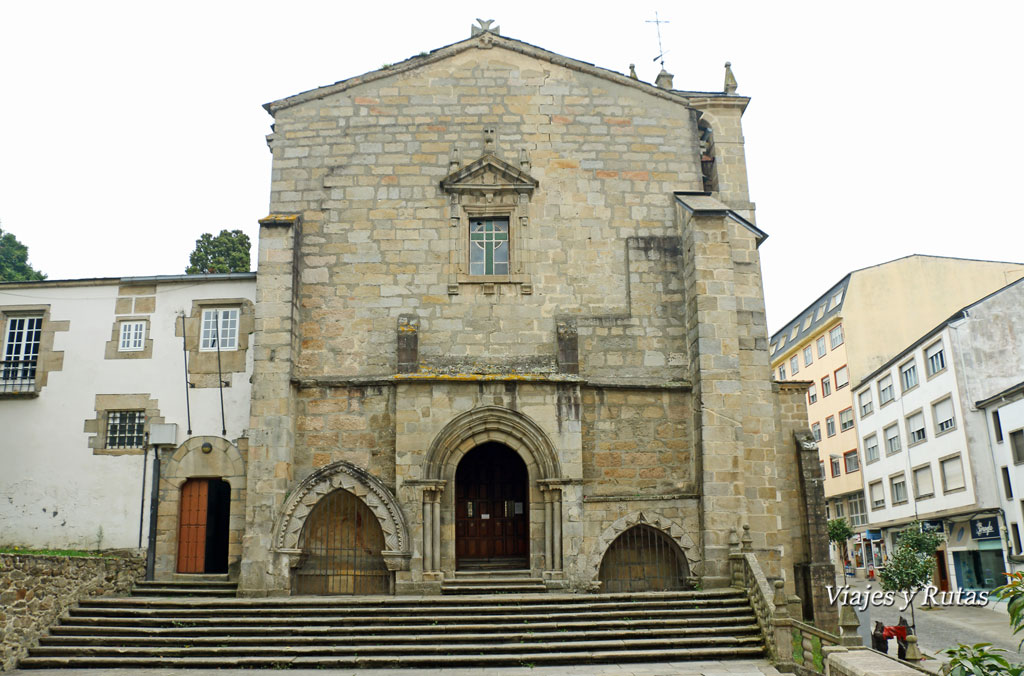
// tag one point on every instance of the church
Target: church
(508, 317)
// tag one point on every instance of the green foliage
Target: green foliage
(14, 265)
(1013, 593)
(980, 659)
(921, 541)
(51, 552)
(227, 252)
(839, 531)
(907, 570)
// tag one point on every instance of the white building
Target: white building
(925, 442)
(88, 367)
(1004, 413)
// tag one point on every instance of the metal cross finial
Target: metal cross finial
(661, 52)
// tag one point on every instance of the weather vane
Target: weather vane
(661, 52)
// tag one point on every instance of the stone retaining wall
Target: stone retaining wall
(36, 590)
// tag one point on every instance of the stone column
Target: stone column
(265, 570)
(549, 562)
(552, 491)
(431, 526)
(428, 532)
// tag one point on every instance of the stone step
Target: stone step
(187, 629)
(465, 635)
(404, 661)
(314, 605)
(341, 619)
(418, 648)
(476, 574)
(189, 581)
(423, 601)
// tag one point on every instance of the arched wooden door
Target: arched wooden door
(341, 546)
(491, 509)
(643, 559)
(203, 526)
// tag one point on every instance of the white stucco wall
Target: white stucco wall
(56, 492)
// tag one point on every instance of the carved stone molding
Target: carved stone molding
(670, 528)
(364, 486)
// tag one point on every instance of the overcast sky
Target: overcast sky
(876, 129)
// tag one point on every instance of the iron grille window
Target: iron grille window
(125, 429)
(21, 354)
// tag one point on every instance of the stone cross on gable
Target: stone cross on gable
(484, 27)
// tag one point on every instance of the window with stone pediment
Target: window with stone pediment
(488, 205)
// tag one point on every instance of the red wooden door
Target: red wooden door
(192, 526)
(491, 507)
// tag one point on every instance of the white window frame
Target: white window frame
(943, 423)
(889, 446)
(885, 387)
(808, 355)
(897, 483)
(870, 442)
(867, 403)
(227, 331)
(794, 365)
(816, 431)
(826, 386)
(858, 513)
(782, 372)
(844, 380)
(821, 346)
(21, 347)
(934, 359)
(877, 498)
(946, 488)
(812, 394)
(830, 426)
(916, 432)
(132, 336)
(922, 494)
(908, 372)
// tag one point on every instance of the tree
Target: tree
(227, 252)
(911, 565)
(982, 659)
(839, 531)
(14, 265)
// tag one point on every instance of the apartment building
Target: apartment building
(926, 443)
(852, 329)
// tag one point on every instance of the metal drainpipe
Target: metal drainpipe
(154, 501)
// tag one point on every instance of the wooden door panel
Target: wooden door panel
(490, 481)
(192, 526)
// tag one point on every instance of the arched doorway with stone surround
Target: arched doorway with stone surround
(213, 519)
(492, 427)
(364, 496)
(644, 540)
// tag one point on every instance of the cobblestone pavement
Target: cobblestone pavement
(941, 628)
(702, 668)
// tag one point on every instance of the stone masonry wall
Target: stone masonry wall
(637, 442)
(363, 168)
(36, 590)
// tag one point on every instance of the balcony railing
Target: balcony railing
(18, 375)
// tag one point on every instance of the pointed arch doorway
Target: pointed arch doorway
(492, 509)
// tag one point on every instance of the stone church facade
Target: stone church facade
(508, 314)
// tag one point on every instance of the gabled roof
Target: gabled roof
(485, 40)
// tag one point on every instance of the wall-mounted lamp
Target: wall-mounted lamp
(206, 447)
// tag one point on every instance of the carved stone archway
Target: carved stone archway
(670, 528)
(363, 485)
(468, 430)
(460, 436)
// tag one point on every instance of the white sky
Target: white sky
(876, 129)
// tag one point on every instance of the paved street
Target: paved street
(702, 668)
(944, 627)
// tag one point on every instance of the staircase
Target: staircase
(387, 631)
(192, 585)
(494, 582)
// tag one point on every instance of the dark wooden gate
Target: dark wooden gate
(203, 526)
(341, 546)
(491, 508)
(643, 559)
